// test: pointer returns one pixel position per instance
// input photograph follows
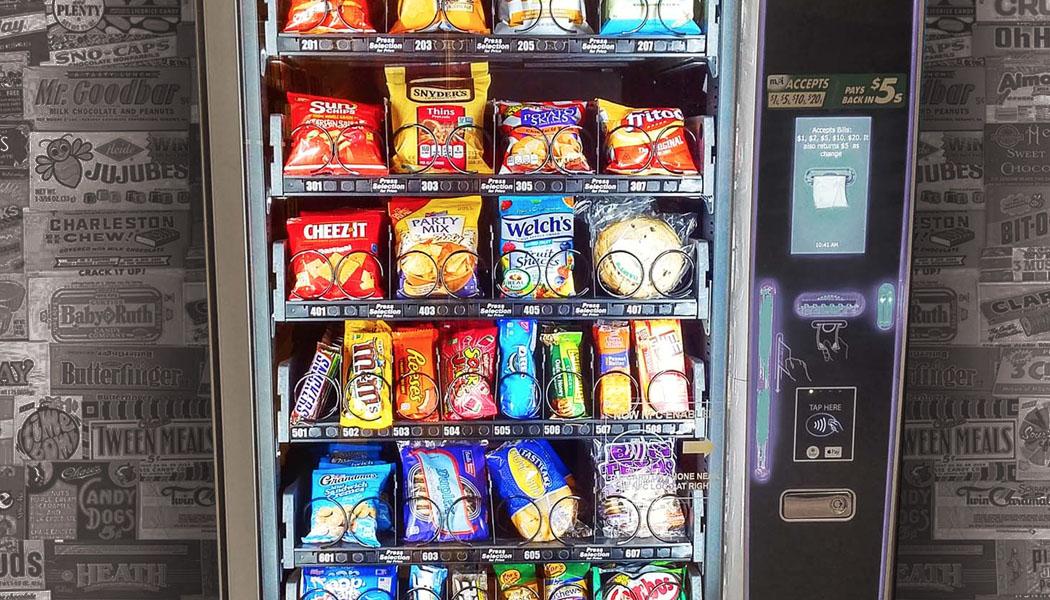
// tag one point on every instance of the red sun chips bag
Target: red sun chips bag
(319, 123)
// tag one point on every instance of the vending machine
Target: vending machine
(557, 299)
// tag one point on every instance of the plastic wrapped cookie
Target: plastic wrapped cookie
(638, 252)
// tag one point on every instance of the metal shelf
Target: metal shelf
(491, 554)
(383, 47)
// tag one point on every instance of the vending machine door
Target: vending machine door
(825, 219)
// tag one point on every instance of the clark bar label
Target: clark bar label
(837, 91)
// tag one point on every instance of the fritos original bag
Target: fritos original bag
(367, 375)
(319, 123)
(437, 244)
(328, 16)
(465, 16)
(633, 134)
(439, 98)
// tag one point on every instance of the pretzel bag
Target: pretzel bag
(438, 114)
(319, 123)
(645, 141)
(334, 254)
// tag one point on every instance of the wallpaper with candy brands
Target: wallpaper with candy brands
(974, 519)
(106, 458)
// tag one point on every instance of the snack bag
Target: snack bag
(333, 254)
(315, 389)
(612, 344)
(416, 368)
(661, 367)
(517, 581)
(639, 252)
(542, 137)
(352, 493)
(468, 366)
(649, 17)
(536, 238)
(527, 477)
(320, 124)
(436, 243)
(445, 493)
(328, 16)
(564, 367)
(633, 135)
(437, 110)
(367, 373)
(348, 583)
(652, 581)
(463, 16)
(519, 396)
(542, 17)
(565, 581)
(636, 489)
(427, 582)
(469, 585)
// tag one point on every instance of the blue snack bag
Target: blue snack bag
(649, 17)
(519, 397)
(349, 583)
(348, 493)
(446, 494)
(530, 480)
(427, 582)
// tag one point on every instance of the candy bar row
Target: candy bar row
(536, 17)
(368, 376)
(437, 126)
(512, 581)
(636, 250)
(520, 492)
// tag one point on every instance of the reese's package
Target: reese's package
(438, 114)
(416, 367)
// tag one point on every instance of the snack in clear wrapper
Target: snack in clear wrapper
(645, 141)
(427, 582)
(328, 16)
(367, 375)
(438, 114)
(347, 493)
(612, 344)
(542, 17)
(517, 581)
(469, 585)
(636, 489)
(536, 243)
(565, 581)
(529, 477)
(649, 17)
(322, 125)
(661, 366)
(543, 137)
(565, 391)
(445, 492)
(315, 391)
(519, 393)
(468, 367)
(415, 364)
(653, 581)
(639, 252)
(436, 243)
(333, 254)
(463, 16)
(348, 583)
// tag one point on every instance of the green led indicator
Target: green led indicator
(886, 307)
